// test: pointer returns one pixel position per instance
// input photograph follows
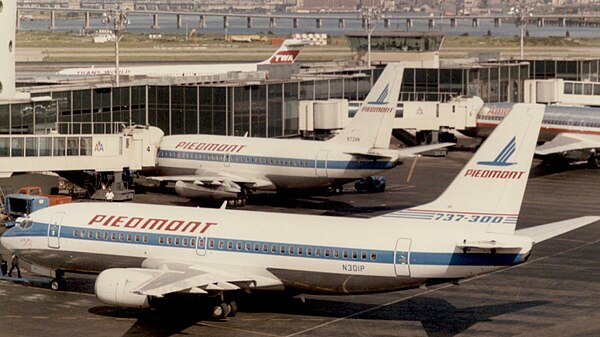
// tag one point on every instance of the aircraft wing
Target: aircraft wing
(548, 231)
(171, 277)
(414, 150)
(368, 156)
(564, 142)
(217, 179)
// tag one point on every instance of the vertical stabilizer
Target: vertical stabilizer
(489, 189)
(287, 52)
(372, 125)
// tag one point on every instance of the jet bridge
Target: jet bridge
(132, 148)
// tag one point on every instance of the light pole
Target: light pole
(369, 17)
(522, 14)
(118, 18)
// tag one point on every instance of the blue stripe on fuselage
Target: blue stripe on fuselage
(345, 254)
(277, 161)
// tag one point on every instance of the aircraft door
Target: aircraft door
(201, 245)
(402, 257)
(226, 159)
(321, 163)
(54, 230)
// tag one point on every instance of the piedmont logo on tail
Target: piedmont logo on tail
(469, 230)
(230, 168)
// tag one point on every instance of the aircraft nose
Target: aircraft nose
(6, 239)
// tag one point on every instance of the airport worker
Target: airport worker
(3, 266)
(14, 263)
(110, 195)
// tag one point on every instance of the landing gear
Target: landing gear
(224, 309)
(235, 203)
(58, 283)
(338, 189)
(594, 161)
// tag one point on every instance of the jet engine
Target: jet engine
(113, 287)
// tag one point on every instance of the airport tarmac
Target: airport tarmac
(556, 293)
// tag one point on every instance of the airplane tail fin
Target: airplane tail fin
(489, 189)
(372, 125)
(287, 52)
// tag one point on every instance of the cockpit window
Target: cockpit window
(26, 224)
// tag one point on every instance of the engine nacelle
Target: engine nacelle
(113, 287)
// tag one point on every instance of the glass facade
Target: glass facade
(262, 110)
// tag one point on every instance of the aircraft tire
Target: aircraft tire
(56, 284)
(594, 161)
(338, 189)
(234, 308)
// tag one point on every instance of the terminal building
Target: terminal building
(239, 105)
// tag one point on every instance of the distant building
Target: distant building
(326, 5)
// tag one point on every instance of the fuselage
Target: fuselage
(304, 253)
(287, 163)
(180, 70)
(557, 119)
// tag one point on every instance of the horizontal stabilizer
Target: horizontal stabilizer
(548, 231)
(368, 156)
(414, 150)
(568, 142)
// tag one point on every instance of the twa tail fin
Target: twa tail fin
(489, 189)
(287, 52)
(372, 125)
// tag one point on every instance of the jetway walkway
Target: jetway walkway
(132, 148)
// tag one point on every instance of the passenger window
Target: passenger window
(129, 237)
(137, 238)
(121, 237)
(177, 241)
(273, 249)
(221, 244)
(161, 240)
(211, 243)
(256, 247)
(248, 247)
(239, 245)
(145, 238)
(82, 234)
(113, 236)
(326, 252)
(282, 249)
(354, 255)
(300, 250)
(90, 235)
(345, 254)
(184, 242)
(308, 251)
(98, 235)
(318, 252)
(265, 247)
(373, 256)
(75, 233)
(105, 235)
(229, 245)
(291, 250)
(193, 243)
(336, 253)
(363, 255)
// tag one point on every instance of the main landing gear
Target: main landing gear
(58, 282)
(223, 310)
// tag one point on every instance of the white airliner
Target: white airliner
(145, 253)
(228, 167)
(286, 54)
(572, 132)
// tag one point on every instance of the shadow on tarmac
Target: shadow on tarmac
(438, 317)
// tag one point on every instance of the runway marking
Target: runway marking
(236, 329)
(439, 288)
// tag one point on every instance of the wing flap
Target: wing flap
(414, 150)
(564, 142)
(548, 231)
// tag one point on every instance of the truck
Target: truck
(28, 200)
(54, 199)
